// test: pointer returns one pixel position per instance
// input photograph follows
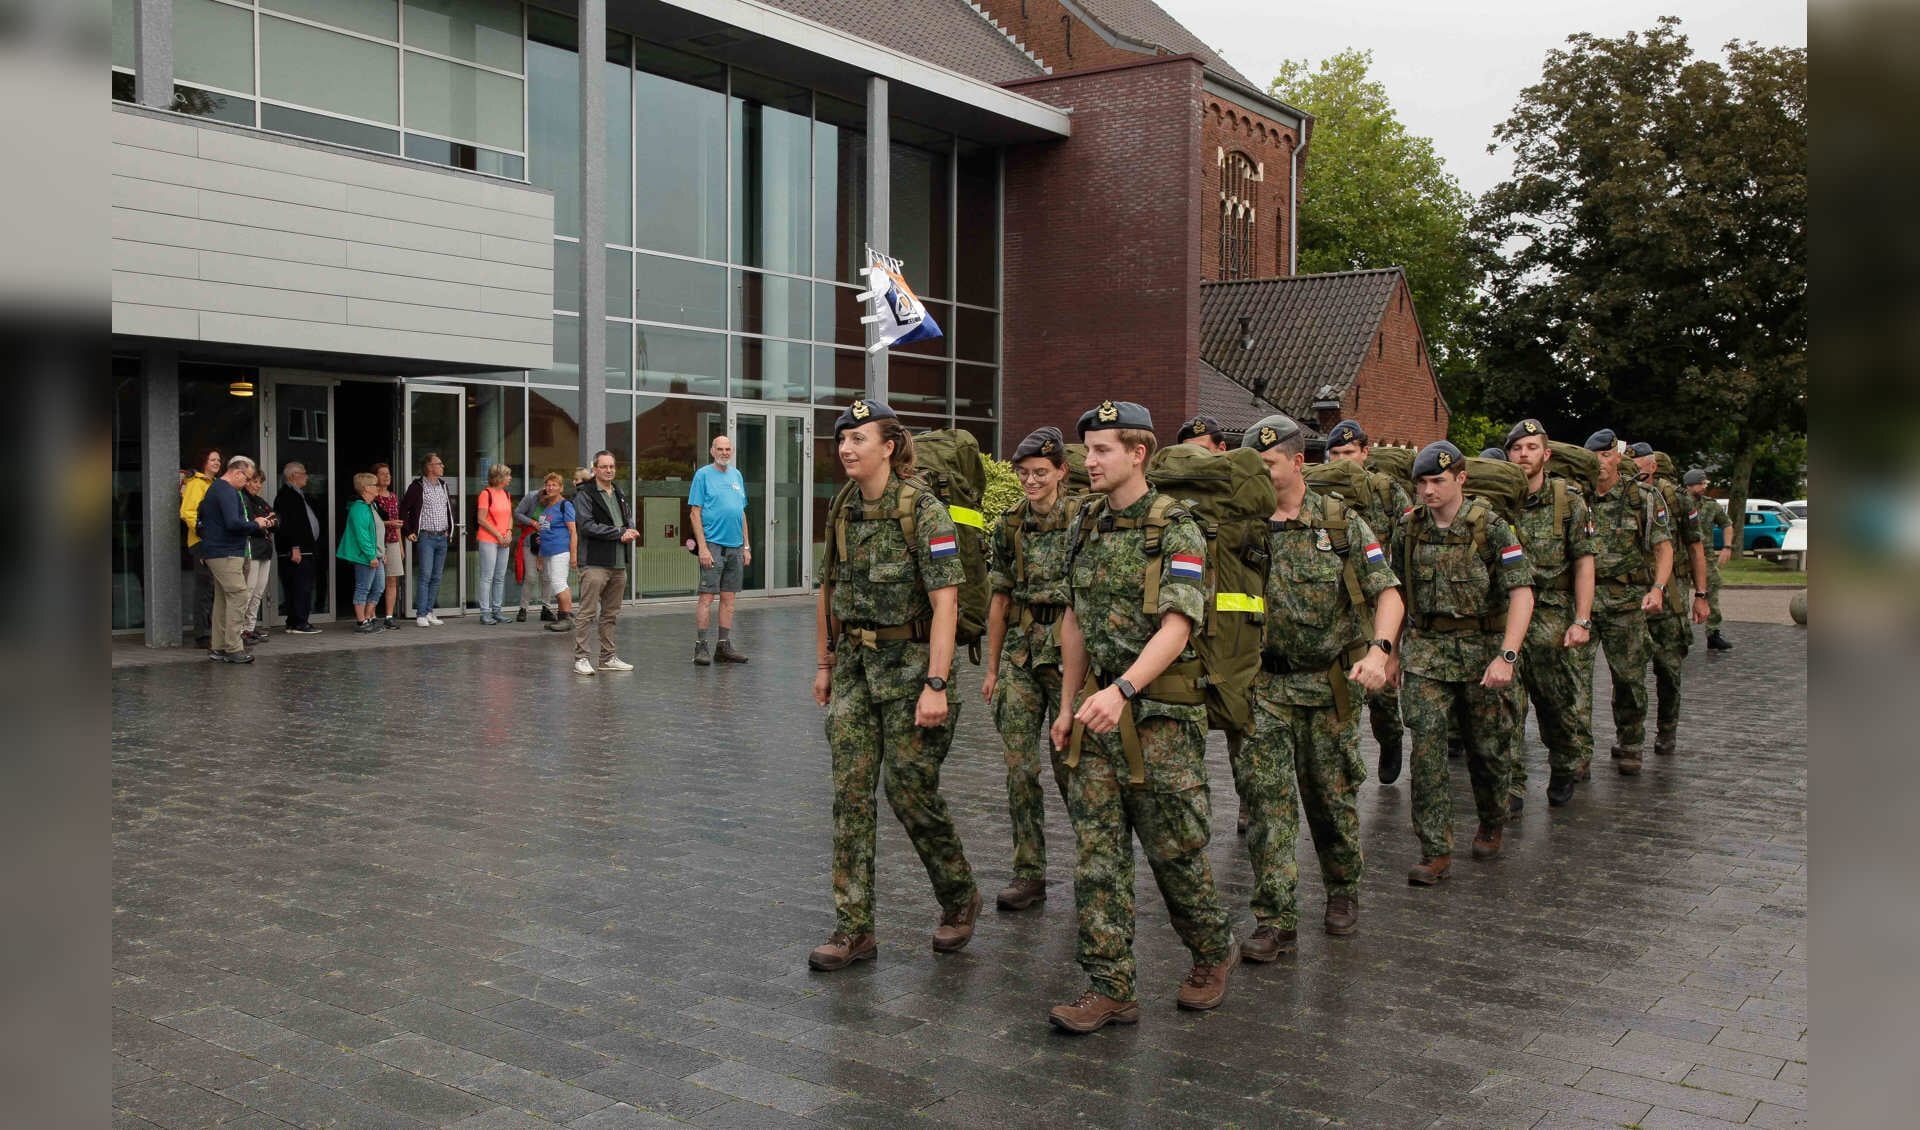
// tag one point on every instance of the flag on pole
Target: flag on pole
(896, 310)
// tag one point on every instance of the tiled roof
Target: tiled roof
(946, 33)
(1229, 402)
(1309, 331)
(1147, 22)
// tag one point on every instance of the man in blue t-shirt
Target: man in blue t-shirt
(719, 504)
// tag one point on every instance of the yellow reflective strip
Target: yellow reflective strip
(1239, 602)
(966, 517)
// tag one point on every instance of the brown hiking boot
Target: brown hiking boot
(1430, 871)
(1663, 745)
(1268, 943)
(1206, 985)
(1627, 761)
(1343, 914)
(1486, 842)
(842, 950)
(724, 653)
(1093, 1012)
(1021, 894)
(956, 927)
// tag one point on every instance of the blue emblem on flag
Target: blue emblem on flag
(1375, 554)
(942, 546)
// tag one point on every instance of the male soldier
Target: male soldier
(1203, 431)
(1632, 559)
(1668, 631)
(1558, 536)
(1136, 745)
(1469, 601)
(1715, 526)
(1326, 567)
(1493, 453)
(1029, 580)
(1348, 440)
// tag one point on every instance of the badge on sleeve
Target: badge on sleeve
(942, 546)
(1375, 555)
(1187, 566)
(1511, 555)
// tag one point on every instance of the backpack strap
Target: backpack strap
(1154, 522)
(1562, 509)
(1015, 520)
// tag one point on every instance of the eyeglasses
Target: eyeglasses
(1026, 476)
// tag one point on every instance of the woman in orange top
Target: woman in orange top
(496, 541)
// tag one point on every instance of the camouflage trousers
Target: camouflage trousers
(1171, 816)
(1671, 637)
(874, 741)
(1485, 719)
(1713, 591)
(1024, 702)
(1623, 636)
(1383, 713)
(1551, 676)
(1296, 755)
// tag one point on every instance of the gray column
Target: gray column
(153, 53)
(593, 228)
(879, 215)
(159, 462)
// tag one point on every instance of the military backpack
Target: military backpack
(1499, 484)
(1576, 464)
(1355, 484)
(1394, 462)
(1077, 481)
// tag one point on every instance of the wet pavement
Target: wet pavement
(451, 883)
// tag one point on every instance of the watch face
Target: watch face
(937, 683)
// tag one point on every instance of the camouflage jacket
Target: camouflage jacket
(1713, 519)
(1449, 575)
(1552, 550)
(1039, 578)
(1684, 512)
(884, 582)
(1628, 522)
(1310, 615)
(1106, 570)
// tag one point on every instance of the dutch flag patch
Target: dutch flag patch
(1375, 554)
(1512, 554)
(942, 546)
(1186, 565)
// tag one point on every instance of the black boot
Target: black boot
(1390, 757)
(520, 617)
(1560, 789)
(546, 615)
(1718, 642)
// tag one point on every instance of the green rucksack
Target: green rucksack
(1231, 497)
(1576, 464)
(949, 462)
(1077, 481)
(1394, 462)
(1350, 482)
(1499, 484)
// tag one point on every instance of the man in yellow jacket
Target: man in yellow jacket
(192, 492)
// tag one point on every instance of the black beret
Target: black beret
(1112, 414)
(1601, 440)
(1640, 450)
(1346, 432)
(1201, 426)
(1493, 453)
(1525, 428)
(1437, 457)
(1045, 443)
(1270, 432)
(1694, 477)
(862, 412)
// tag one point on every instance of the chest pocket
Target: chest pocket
(1464, 577)
(890, 572)
(1307, 582)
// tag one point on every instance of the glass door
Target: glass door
(296, 424)
(772, 451)
(436, 424)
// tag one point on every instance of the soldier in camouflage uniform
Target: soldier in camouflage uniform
(1348, 440)
(1028, 575)
(1469, 600)
(1319, 653)
(888, 607)
(1558, 536)
(1715, 526)
(1670, 630)
(1136, 744)
(1632, 558)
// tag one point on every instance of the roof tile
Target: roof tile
(1309, 331)
(947, 33)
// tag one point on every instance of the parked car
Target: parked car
(1798, 508)
(1769, 504)
(1766, 528)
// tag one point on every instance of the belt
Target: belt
(1178, 685)
(1452, 625)
(866, 637)
(1335, 674)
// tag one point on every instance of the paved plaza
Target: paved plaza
(433, 878)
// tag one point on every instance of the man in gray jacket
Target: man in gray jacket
(605, 524)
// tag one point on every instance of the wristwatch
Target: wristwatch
(1661, 587)
(1510, 655)
(1698, 595)
(1125, 688)
(936, 683)
(1384, 644)
(1584, 625)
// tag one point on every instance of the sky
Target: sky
(1454, 68)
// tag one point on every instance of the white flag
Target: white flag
(896, 309)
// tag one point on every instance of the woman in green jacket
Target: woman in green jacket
(361, 543)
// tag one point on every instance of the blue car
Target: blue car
(1766, 529)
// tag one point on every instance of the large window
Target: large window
(1239, 207)
(772, 197)
(681, 135)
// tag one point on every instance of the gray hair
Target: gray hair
(236, 462)
(291, 467)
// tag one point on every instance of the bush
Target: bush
(1003, 488)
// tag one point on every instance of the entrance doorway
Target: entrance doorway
(773, 451)
(436, 421)
(296, 426)
(366, 431)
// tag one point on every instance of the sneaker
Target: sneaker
(553, 625)
(234, 656)
(435, 621)
(421, 621)
(310, 630)
(1093, 1012)
(391, 626)
(701, 656)
(582, 667)
(615, 664)
(546, 615)
(362, 627)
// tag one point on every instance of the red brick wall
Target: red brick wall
(1102, 268)
(1227, 128)
(1041, 31)
(1396, 396)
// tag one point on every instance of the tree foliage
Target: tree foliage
(1372, 195)
(1646, 264)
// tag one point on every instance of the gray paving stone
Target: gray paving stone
(1732, 1108)
(745, 1081)
(537, 1094)
(172, 1102)
(436, 1104)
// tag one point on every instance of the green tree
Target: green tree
(1373, 195)
(1646, 264)
(1472, 432)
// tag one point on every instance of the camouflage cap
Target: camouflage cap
(1525, 428)
(1111, 414)
(1436, 458)
(1602, 440)
(1346, 432)
(1201, 426)
(1043, 443)
(862, 412)
(1270, 432)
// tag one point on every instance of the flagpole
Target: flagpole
(879, 216)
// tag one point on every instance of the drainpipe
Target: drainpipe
(1293, 205)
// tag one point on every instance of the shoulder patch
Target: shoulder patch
(943, 545)
(1189, 566)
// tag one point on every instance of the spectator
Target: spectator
(495, 518)
(193, 490)
(426, 518)
(224, 526)
(557, 541)
(718, 500)
(363, 543)
(298, 541)
(605, 525)
(526, 519)
(259, 556)
(395, 550)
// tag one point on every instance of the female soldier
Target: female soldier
(888, 607)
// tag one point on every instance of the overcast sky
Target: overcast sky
(1455, 67)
